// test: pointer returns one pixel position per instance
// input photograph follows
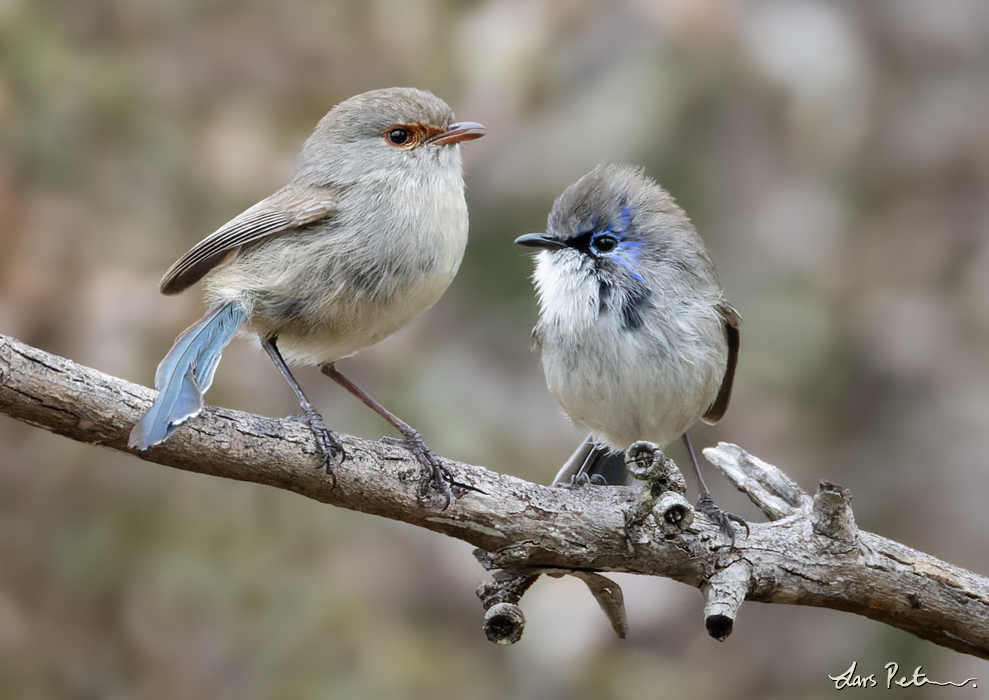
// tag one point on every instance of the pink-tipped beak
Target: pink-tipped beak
(461, 131)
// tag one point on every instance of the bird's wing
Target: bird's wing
(732, 322)
(285, 211)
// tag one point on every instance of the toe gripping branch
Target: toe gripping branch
(663, 499)
(829, 512)
(727, 573)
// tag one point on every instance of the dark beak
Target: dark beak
(540, 240)
(461, 131)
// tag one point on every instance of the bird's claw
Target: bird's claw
(329, 446)
(583, 479)
(719, 517)
(439, 473)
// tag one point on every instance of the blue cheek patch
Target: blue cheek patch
(627, 255)
(627, 251)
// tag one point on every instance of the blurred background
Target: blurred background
(833, 154)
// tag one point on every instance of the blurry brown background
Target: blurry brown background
(835, 156)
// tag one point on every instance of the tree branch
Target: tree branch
(810, 553)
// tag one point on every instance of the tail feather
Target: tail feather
(186, 372)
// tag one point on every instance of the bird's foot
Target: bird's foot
(583, 479)
(721, 518)
(329, 446)
(437, 472)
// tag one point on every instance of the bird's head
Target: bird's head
(383, 132)
(617, 239)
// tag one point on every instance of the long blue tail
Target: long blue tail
(186, 372)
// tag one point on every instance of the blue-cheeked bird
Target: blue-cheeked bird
(637, 339)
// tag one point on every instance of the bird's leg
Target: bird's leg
(582, 477)
(589, 472)
(582, 467)
(328, 444)
(439, 473)
(576, 464)
(705, 504)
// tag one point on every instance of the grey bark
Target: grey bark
(809, 553)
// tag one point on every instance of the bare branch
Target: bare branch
(810, 553)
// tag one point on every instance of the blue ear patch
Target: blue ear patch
(627, 255)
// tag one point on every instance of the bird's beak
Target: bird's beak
(461, 131)
(540, 240)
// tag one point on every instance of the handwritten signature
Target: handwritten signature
(852, 679)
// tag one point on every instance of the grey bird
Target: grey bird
(367, 235)
(637, 339)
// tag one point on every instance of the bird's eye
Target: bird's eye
(604, 244)
(397, 137)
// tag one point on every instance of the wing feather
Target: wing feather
(285, 211)
(732, 323)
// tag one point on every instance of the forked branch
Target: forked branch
(809, 553)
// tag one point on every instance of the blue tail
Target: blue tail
(186, 372)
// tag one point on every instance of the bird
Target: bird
(637, 339)
(367, 235)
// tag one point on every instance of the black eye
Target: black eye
(397, 137)
(604, 244)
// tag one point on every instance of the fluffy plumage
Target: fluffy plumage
(637, 341)
(367, 235)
